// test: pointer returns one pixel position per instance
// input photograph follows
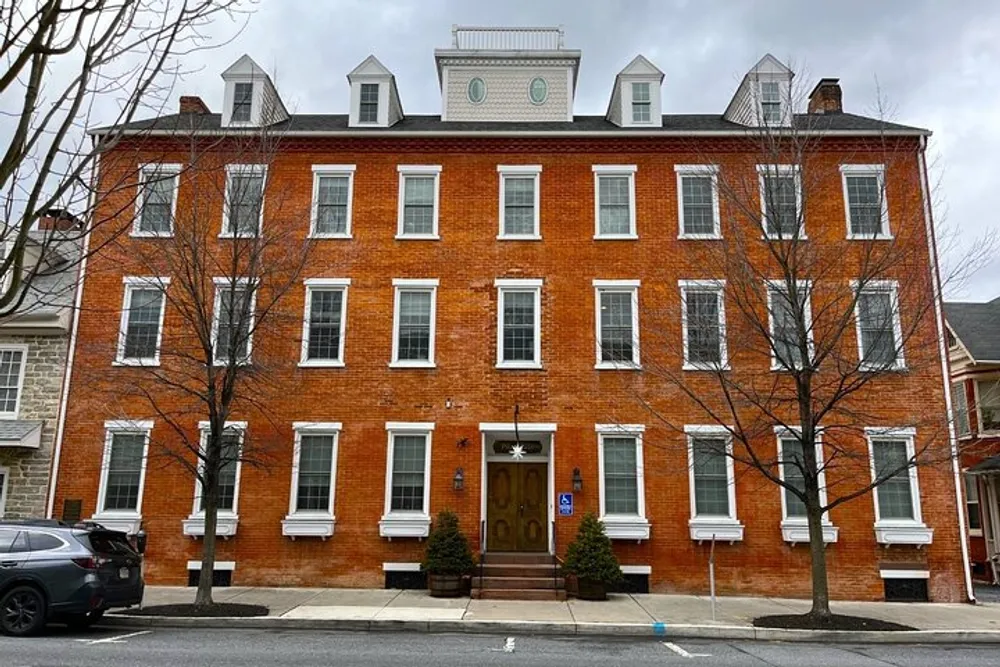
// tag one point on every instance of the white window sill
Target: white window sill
(330, 236)
(126, 522)
(222, 363)
(412, 363)
(418, 237)
(308, 525)
(700, 237)
(232, 235)
(225, 525)
(723, 529)
(146, 363)
(800, 237)
(519, 237)
(796, 531)
(975, 532)
(869, 237)
(625, 527)
(404, 525)
(617, 366)
(321, 363)
(151, 235)
(616, 237)
(914, 533)
(688, 366)
(519, 366)
(895, 368)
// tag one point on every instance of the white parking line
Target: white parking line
(508, 646)
(120, 639)
(684, 654)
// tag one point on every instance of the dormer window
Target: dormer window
(641, 102)
(242, 102)
(368, 111)
(770, 102)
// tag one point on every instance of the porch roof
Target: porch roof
(986, 466)
(21, 433)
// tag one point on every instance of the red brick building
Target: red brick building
(480, 284)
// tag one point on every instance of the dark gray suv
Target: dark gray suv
(53, 571)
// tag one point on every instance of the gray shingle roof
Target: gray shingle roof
(15, 432)
(695, 123)
(977, 325)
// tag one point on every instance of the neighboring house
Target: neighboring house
(33, 353)
(490, 263)
(974, 352)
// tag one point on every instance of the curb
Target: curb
(547, 628)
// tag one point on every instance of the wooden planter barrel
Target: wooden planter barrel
(445, 586)
(587, 589)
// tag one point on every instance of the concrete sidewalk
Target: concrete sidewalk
(675, 616)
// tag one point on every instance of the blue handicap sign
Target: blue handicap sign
(565, 504)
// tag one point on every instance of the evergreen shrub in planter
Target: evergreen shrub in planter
(448, 558)
(592, 561)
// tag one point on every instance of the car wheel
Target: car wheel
(22, 611)
(83, 621)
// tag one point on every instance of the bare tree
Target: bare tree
(788, 339)
(65, 64)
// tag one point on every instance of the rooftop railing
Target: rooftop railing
(473, 38)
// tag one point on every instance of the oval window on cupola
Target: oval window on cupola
(538, 90)
(477, 90)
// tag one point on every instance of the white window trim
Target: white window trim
(892, 287)
(169, 168)
(898, 531)
(418, 170)
(614, 170)
(132, 283)
(721, 528)
(4, 483)
(979, 407)
(795, 530)
(127, 521)
(960, 391)
(312, 523)
(781, 170)
(717, 286)
(504, 285)
(398, 523)
(621, 286)
(520, 171)
(23, 349)
(220, 284)
(331, 170)
(973, 532)
(699, 170)
(624, 526)
(878, 171)
(771, 286)
(413, 285)
(242, 170)
(226, 520)
(331, 284)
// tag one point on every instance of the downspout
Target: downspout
(71, 353)
(946, 375)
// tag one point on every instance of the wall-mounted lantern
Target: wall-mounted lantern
(459, 480)
(577, 480)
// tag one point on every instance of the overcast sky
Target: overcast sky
(936, 63)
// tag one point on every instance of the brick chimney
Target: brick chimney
(193, 104)
(826, 97)
(59, 220)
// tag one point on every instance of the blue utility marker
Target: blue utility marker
(565, 504)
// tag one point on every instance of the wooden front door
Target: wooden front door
(516, 507)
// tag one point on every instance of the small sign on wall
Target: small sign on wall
(565, 504)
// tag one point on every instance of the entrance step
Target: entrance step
(518, 594)
(532, 570)
(506, 583)
(502, 558)
(518, 576)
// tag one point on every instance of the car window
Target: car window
(108, 543)
(44, 542)
(6, 539)
(20, 543)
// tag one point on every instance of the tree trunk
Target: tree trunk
(817, 552)
(210, 493)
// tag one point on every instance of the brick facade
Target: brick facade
(465, 389)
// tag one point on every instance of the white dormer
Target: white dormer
(636, 99)
(764, 97)
(374, 98)
(251, 99)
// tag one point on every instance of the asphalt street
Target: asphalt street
(127, 647)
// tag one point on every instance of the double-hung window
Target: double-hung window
(622, 492)
(407, 483)
(794, 520)
(244, 206)
(242, 102)
(781, 201)
(519, 202)
(698, 201)
(972, 505)
(864, 201)
(519, 327)
(333, 194)
(156, 204)
(617, 319)
(703, 320)
(790, 318)
(12, 362)
(770, 102)
(880, 333)
(641, 102)
(614, 201)
(898, 517)
(141, 330)
(123, 473)
(325, 322)
(713, 485)
(419, 196)
(988, 400)
(230, 465)
(232, 333)
(368, 103)
(413, 323)
(960, 408)
(314, 478)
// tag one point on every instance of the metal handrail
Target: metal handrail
(555, 559)
(482, 551)
(473, 38)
